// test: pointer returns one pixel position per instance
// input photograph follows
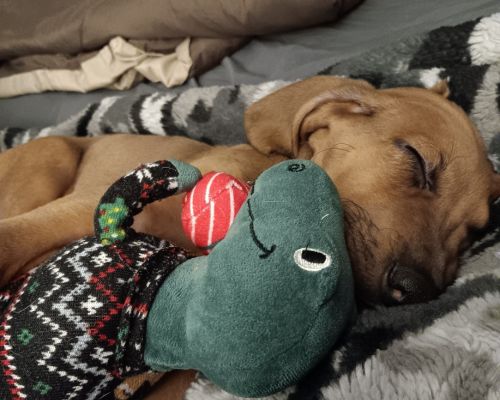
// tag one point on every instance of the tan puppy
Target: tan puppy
(410, 167)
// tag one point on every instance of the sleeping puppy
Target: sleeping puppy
(410, 167)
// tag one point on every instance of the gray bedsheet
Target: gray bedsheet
(286, 56)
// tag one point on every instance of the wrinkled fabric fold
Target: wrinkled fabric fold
(118, 65)
(87, 45)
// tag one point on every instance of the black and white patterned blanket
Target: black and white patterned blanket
(446, 349)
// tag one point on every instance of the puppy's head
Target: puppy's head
(409, 165)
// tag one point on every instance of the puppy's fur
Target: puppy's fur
(410, 167)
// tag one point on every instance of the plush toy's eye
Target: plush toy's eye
(296, 167)
(311, 259)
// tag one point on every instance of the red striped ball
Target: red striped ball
(210, 207)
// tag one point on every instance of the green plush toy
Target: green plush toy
(254, 316)
(271, 299)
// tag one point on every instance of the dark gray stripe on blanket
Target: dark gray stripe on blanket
(464, 82)
(201, 113)
(233, 94)
(10, 135)
(361, 344)
(445, 47)
(488, 236)
(167, 122)
(83, 123)
(135, 116)
(169, 126)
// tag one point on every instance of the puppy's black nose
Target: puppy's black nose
(406, 285)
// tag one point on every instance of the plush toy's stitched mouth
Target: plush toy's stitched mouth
(266, 252)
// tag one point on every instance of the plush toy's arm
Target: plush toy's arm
(128, 195)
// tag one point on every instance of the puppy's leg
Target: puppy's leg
(26, 237)
(38, 172)
(172, 386)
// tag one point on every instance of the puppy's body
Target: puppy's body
(95, 163)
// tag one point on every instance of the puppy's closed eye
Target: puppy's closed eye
(424, 175)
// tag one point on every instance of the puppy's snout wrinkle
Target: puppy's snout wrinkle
(404, 285)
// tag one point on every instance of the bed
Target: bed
(445, 349)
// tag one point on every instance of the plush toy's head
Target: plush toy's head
(271, 299)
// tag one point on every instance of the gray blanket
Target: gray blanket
(446, 349)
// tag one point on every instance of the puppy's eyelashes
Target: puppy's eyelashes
(425, 176)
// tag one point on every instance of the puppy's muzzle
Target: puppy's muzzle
(404, 285)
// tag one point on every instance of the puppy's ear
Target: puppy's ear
(282, 122)
(441, 88)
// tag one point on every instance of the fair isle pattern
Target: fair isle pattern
(9, 369)
(76, 325)
(446, 349)
(67, 326)
(129, 195)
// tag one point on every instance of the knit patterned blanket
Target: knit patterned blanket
(446, 349)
